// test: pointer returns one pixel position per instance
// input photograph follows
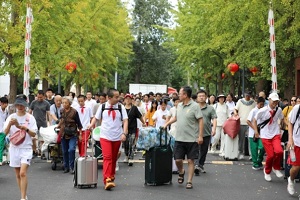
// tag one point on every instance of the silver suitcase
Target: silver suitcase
(86, 172)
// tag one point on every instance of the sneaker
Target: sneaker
(222, 154)
(197, 170)
(43, 157)
(1, 163)
(241, 157)
(117, 166)
(125, 159)
(291, 186)
(267, 176)
(256, 168)
(278, 173)
(109, 184)
(72, 171)
(202, 169)
(250, 158)
(130, 162)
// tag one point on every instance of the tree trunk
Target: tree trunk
(232, 87)
(289, 91)
(12, 88)
(260, 86)
(68, 87)
(78, 89)
(45, 84)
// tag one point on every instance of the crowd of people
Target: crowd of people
(195, 123)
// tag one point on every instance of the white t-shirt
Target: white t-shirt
(172, 113)
(22, 121)
(158, 117)
(85, 117)
(222, 112)
(111, 129)
(3, 116)
(296, 129)
(231, 106)
(271, 129)
(142, 111)
(90, 103)
(251, 115)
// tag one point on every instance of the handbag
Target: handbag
(70, 131)
(19, 136)
(232, 126)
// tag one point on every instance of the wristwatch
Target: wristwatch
(27, 130)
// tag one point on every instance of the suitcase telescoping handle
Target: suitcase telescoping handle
(86, 140)
(160, 136)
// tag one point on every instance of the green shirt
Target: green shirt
(208, 113)
(187, 124)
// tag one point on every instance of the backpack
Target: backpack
(119, 109)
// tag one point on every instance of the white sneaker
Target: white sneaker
(278, 173)
(241, 157)
(117, 166)
(267, 176)
(1, 163)
(222, 154)
(291, 186)
(125, 159)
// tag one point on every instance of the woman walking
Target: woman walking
(21, 155)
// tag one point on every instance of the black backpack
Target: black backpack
(119, 109)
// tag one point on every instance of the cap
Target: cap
(274, 96)
(247, 93)
(128, 95)
(21, 101)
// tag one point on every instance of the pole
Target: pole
(243, 81)
(59, 83)
(116, 80)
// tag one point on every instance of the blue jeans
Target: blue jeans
(68, 149)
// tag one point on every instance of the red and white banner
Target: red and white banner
(29, 20)
(273, 50)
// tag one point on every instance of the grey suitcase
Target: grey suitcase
(86, 172)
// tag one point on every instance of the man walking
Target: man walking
(210, 125)
(40, 109)
(112, 134)
(189, 121)
(270, 135)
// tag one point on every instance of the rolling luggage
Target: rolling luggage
(158, 163)
(86, 171)
(231, 148)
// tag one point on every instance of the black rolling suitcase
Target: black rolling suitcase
(158, 163)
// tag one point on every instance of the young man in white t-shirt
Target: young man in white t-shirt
(270, 135)
(112, 134)
(256, 146)
(85, 116)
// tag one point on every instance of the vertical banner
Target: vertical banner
(29, 20)
(273, 50)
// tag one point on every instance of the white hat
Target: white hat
(274, 97)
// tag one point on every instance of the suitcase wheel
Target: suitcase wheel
(130, 164)
(95, 185)
(53, 165)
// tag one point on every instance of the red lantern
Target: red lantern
(223, 75)
(70, 67)
(233, 67)
(254, 70)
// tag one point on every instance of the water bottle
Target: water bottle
(292, 154)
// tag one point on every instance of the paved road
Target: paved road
(223, 180)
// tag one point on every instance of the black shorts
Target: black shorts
(190, 149)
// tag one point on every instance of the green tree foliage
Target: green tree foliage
(213, 33)
(151, 62)
(93, 34)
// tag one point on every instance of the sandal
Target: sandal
(181, 177)
(189, 185)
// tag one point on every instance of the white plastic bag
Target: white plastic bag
(49, 135)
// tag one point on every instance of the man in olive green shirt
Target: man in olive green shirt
(189, 133)
(210, 124)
